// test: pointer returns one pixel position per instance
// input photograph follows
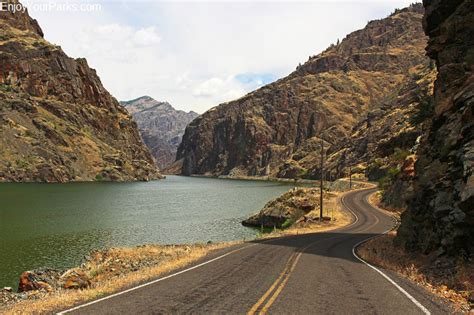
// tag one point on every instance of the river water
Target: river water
(55, 225)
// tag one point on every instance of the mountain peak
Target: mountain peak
(376, 47)
(19, 20)
(57, 121)
(161, 126)
(276, 130)
(142, 103)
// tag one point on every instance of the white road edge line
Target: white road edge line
(152, 282)
(408, 295)
(174, 274)
(426, 311)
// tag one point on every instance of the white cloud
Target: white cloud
(113, 43)
(146, 37)
(228, 87)
(198, 54)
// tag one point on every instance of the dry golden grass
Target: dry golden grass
(311, 224)
(117, 269)
(105, 282)
(417, 267)
(455, 283)
(26, 38)
(376, 200)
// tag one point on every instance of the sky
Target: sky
(198, 54)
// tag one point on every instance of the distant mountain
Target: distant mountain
(161, 126)
(57, 122)
(358, 96)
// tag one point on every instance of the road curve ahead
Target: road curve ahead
(305, 274)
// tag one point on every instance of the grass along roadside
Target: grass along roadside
(334, 214)
(310, 223)
(375, 200)
(443, 276)
(116, 269)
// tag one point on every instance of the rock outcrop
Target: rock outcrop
(161, 127)
(49, 280)
(285, 210)
(440, 217)
(363, 86)
(41, 279)
(57, 122)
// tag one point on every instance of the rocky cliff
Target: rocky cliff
(161, 127)
(440, 217)
(340, 95)
(57, 122)
(285, 210)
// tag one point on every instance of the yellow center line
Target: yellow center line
(281, 286)
(269, 291)
(285, 275)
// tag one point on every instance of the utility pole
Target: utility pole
(321, 182)
(350, 177)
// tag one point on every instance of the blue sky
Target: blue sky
(197, 54)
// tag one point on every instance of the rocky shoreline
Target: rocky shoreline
(299, 205)
(117, 264)
(285, 210)
(101, 272)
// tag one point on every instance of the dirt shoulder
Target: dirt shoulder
(105, 272)
(449, 278)
(334, 215)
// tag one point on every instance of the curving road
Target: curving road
(304, 274)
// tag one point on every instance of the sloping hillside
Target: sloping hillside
(276, 130)
(57, 122)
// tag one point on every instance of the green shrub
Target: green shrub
(375, 172)
(393, 172)
(22, 163)
(287, 224)
(384, 183)
(399, 155)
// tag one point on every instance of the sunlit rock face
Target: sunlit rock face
(57, 122)
(357, 95)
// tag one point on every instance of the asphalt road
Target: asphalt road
(305, 274)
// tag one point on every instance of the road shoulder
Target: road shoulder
(451, 281)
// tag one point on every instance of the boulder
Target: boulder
(74, 279)
(286, 209)
(41, 279)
